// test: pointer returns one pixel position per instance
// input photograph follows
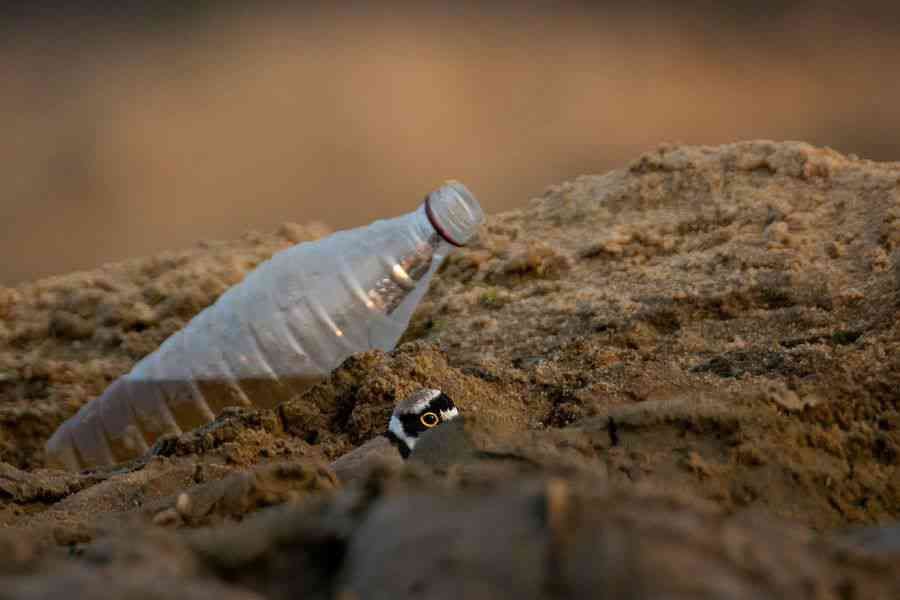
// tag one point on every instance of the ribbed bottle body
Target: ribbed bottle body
(291, 321)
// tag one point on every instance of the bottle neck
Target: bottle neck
(429, 241)
(411, 261)
(422, 226)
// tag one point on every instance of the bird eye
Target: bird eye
(429, 419)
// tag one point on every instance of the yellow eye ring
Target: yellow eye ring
(429, 419)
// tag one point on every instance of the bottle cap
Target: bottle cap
(454, 212)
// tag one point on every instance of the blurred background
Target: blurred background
(131, 127)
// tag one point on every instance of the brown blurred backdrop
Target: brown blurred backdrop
(157, 125)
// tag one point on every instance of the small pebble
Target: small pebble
(183, 505)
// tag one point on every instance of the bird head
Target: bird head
(423, 410)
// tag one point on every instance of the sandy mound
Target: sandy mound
(688, 366)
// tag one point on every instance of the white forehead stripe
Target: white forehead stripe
(449, 415)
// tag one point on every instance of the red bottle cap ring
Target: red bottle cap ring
(437, 226)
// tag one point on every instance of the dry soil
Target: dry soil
(679, 379)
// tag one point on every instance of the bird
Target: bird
(483, 445)
(421, 411)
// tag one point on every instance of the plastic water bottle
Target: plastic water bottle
(289, 323)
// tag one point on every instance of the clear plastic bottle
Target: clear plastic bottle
(288, 324)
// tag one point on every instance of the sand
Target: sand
(680, 378)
